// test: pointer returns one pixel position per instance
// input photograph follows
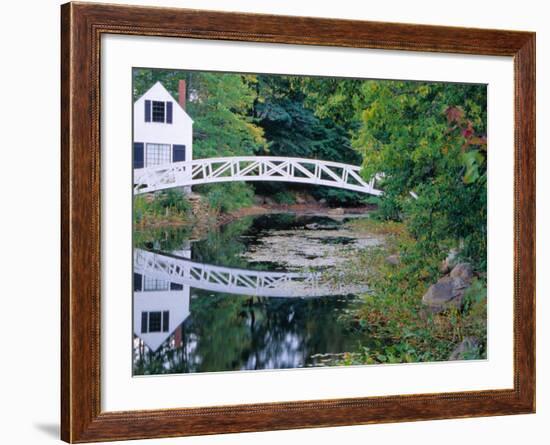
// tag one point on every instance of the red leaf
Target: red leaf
(454, 114)
(468, 131)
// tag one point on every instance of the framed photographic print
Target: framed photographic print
(277, 222)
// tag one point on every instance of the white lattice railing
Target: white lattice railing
(252, 168)
(233, 280)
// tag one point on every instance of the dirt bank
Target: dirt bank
(202, 218)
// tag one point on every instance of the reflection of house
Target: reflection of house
(163, 131)
(159, 308)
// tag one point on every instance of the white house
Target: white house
(163, 131)
(159, 305)
(159, 308)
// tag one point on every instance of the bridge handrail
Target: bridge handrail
(252, 159)
(224, 269)
(256, 168)
(239, 281)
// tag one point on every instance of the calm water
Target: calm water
(248, 296)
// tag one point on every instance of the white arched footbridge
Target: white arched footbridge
(237, 281)
(251, 168)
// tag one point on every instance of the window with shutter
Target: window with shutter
(155, 321)
(157, 154)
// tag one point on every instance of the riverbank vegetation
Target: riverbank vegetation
(168, 207)
(429, 140)
(399, 326)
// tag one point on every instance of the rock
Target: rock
(393, 260)
(269, 201)
(463, 271)
(337, 211)
(449, 290)
(467, 347)
(322, 201)
(447, 293)
(442, 295)
(299, 199)
(312, 226)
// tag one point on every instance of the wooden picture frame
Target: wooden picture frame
(82, 26)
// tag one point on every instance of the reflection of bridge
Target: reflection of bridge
(233, 280)
(251, 168)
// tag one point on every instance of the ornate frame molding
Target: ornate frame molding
(82, 25)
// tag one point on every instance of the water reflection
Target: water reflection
(194, 316)
(176, 271)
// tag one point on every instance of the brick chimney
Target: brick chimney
(182, 87)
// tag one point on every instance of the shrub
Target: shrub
(284, 197)
(174, 200)
(170, 203)
(227, 197)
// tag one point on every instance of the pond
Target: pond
(262, 292)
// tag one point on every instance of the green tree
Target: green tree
(221, 105)
(428, 138)
(145, 78)
(293, 130)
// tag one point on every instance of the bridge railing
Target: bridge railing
(235, 280)
(252, 168)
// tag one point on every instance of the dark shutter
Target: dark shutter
(147, 111)
(168, 112)
(165, 321)
(138, 155)
(144, 323)
(176, 286)
(178, 154)
(137, 281)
